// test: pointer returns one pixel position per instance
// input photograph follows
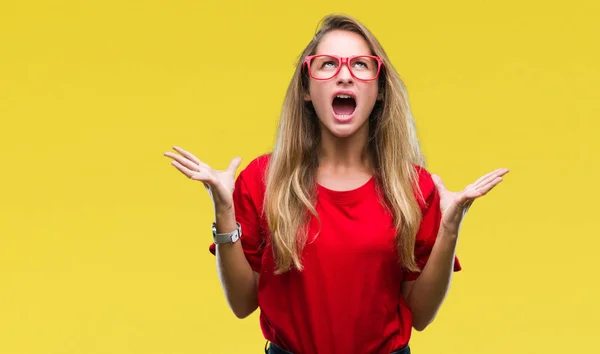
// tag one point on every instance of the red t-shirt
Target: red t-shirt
(348, 297)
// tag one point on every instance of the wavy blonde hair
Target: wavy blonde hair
(393, 148)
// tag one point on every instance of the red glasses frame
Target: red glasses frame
(341, 62)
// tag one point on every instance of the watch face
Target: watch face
(226, 237)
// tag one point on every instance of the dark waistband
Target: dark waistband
(271, 348)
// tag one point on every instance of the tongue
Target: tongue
(344, 106)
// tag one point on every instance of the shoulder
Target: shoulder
(256, 169)
(426, 188)
(252, 178)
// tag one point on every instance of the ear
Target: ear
(380, 96)
(307, 97)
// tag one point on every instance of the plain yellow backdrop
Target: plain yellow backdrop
(104, 246)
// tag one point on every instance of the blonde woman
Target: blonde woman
(340, 235)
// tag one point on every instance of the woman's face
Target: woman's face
(343, 103)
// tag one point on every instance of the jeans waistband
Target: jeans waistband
(271, 348)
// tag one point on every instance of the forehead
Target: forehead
(343, 43)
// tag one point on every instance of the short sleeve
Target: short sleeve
(430, 225)
(247, 199)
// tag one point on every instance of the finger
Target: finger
(491, 176)
(183, 161)
(481, 190)
(496, 172)
(485, 176)
(234, 164)
(186, 171)
(437, 181)
(490, 185)
(189, 155)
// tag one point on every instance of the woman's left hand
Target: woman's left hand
(454, 205)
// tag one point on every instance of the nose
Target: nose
(344, 76)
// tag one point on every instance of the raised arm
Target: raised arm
(426, 294)
(237, 278)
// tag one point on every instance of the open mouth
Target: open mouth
(343, 106)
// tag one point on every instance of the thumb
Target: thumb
(437, 181)
(234, 164)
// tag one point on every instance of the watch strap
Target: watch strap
(228, 237)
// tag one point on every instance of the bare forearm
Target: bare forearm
(431, 287)
(236, 276)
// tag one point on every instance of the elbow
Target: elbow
(420, 324)
(242, 312)
(423, 317)
(419, 327)
(242, 304)
(241, 315)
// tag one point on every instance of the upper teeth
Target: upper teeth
(343, 96)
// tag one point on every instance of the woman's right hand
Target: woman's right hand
(220, 184)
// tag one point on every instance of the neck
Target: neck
(342, 155)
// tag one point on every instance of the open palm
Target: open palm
(219, 184)
(454, 205)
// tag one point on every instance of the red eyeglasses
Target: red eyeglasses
(325, 67)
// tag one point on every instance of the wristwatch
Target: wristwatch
(229, 237)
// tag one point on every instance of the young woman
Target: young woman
(340, 236)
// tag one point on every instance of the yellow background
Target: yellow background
(103, 245)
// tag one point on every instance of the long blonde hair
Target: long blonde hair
(393, 148)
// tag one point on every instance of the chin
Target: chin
(342, 133)
(346, 130)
